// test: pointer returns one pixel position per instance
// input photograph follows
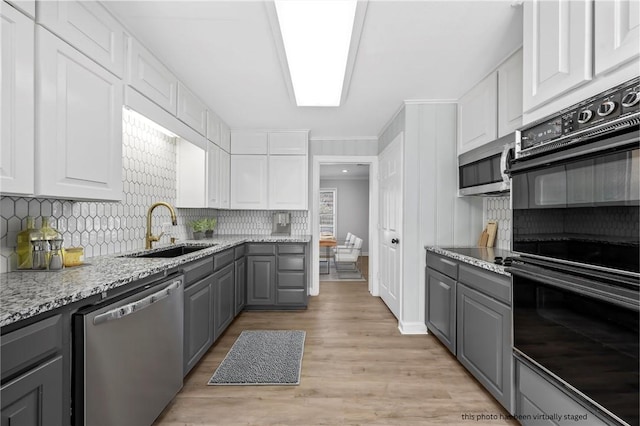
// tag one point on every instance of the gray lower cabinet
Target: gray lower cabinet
(291, 289)
(261, 280)
(223, 292)
(198, 322)
(537, 399)
(34, 398)
(440, 306)
(484, 341)
(241, 284)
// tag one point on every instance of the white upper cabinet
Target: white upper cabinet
(150, 77)
(224, 179)
(477, 115)
(26, 6)
(191, 180)
(213, 127)
(191, 110)
(557, 41)
(249, 182)
(79, 124)
(225, 137)
(18, 111)
(510, 94)
(249, 142)
(213, 176)
(288, 182)
(617, 33)
(288, 143)
(87, 26)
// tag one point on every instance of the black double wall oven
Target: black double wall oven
(576, 210)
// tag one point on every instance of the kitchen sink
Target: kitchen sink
(171, 251)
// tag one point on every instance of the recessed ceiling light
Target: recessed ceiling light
(345, 171)
(316, 36)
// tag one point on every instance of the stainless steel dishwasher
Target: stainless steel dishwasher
(128, 356)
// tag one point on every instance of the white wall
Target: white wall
(353, 208)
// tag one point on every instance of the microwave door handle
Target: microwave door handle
(135, 306)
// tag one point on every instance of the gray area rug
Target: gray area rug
(262, 357)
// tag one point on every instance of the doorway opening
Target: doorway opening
(357, 214)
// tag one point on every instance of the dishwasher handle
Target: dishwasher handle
(130, 308)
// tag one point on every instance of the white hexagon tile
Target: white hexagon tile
(148, 175)
(499, 209)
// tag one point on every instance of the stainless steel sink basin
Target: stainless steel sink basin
(171, 251)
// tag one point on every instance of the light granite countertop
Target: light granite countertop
(24, 294)
(482, 257)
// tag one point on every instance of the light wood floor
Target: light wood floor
(357, 369)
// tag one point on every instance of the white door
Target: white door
(390, 229)
(213, 176)
(288, 182)
(225, 172)
(617, 33)
(249, 174)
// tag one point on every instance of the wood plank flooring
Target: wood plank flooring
(357, 369)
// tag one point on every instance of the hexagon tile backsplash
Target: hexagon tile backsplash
(148, 175)
(499, 209)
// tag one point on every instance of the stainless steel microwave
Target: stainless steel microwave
(483, 170)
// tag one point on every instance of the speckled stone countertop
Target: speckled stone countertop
(482, 257)
(24, 294)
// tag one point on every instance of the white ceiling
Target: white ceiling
(335, 171)
(226, 53)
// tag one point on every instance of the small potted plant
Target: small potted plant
(210, 226)
(198, 226)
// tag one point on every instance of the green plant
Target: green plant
(211, 223)
(198, 225)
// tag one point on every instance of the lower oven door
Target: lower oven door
(583, 332)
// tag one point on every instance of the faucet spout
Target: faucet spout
(150, 238)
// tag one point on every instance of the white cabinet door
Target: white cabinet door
(288, 143)
(248, 142)
(213, 176)
(27, 6)
(191, 110)
(288, 182)
(617, 33)
(249, 174)
(213, 127)
(191, 180)
(87, 26)
(225, 137)
(150, 77)
(18, 111)
(225, 175)
(79, 138)
(558, 46)
(510, 94)
(477, 115)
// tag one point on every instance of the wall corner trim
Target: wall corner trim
(412, 327)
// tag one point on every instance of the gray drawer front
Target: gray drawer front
(220, 260)
(261, 249)
(27, 346)
(194, 271)
(291, 263)
(536, 395)
(240, 251)
(291, 280)
(495, 285)
(449, 267)
(291, 249)
(291, 297)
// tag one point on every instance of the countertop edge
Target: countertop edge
(483, 264)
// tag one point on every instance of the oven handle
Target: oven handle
(559, 281)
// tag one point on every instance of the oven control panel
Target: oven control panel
(609, 111)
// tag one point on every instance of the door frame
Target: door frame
(314, 217)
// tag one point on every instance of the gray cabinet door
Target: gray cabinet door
(440, 306)
(241, 284)
(224, 288)
(198, 322)
(484, 342)
(261, 280)
(34, 399)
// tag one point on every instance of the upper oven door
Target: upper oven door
(581, 208)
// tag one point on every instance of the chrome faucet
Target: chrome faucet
(149, 238)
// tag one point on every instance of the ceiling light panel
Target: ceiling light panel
(316, 36)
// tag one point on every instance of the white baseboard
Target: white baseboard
(412, 327)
